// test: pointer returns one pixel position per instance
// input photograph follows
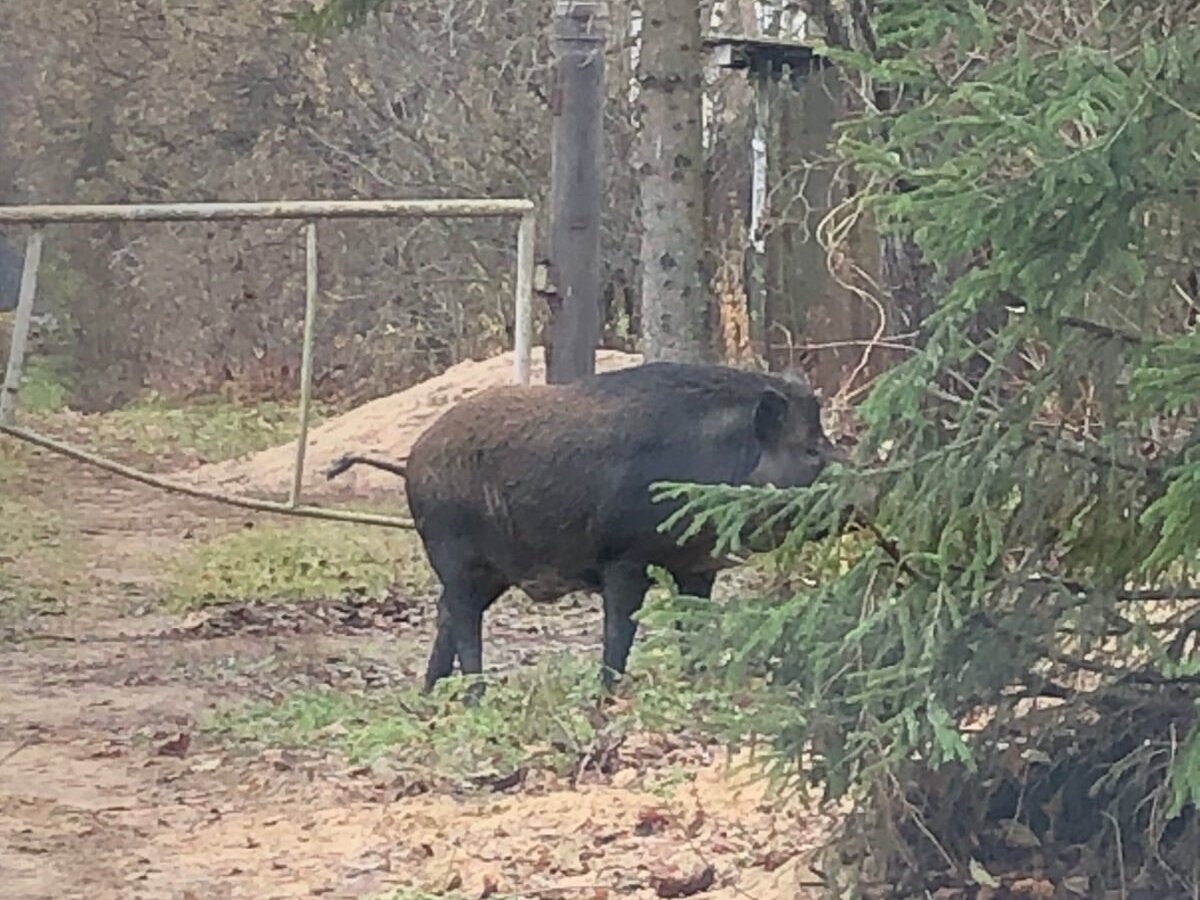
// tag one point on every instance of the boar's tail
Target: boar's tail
(348, 461)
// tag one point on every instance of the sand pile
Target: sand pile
(386, 427)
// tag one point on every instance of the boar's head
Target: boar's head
(793, 447)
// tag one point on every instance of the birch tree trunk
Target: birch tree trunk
(675, 305)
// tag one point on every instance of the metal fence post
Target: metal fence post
(306, 358)
(523, 310)
(20, 335)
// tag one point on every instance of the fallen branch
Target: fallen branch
(268, 506)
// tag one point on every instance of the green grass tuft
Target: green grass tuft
(212, 428)
(43, 387)
(296, 561)
(40, 558)
(548, 717)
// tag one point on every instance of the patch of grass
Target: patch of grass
(417, 894)
(301, 560)
(15, 460)
(40, 558)
(20, 600)
(43, 386)
(213, 428)
(549, 717)
(674, 779)
(361, 725)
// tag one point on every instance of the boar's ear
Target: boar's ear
(808, 412)
(770, 416)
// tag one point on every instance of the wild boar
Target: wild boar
(547, 488)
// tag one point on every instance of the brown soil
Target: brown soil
(386, 428)
(108, 788)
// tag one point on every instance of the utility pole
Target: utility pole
(577, 100)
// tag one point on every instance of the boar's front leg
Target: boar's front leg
(694, 584)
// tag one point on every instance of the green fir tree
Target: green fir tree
(999, 669)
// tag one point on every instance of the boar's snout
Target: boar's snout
(836, 454)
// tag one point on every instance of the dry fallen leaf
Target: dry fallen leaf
(625, 778)
(673, 883)
(111, 751)
(177, 746)
(502, 782)
(1077, 884)
(607, 836)
(650, 821)
(772, 859)
(1018, 835)
(491, 886)
(569, 861)
(1033, 887)
(981, 875)
(697, 824)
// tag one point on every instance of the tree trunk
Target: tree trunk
(108, 354)
(576, 188)
(675, 304)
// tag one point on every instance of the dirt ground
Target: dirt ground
(109, 790)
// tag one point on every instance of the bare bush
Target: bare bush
(212, 101)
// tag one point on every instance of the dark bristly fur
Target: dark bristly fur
(548, 488)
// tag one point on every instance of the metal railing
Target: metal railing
(308, 211)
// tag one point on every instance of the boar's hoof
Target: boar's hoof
(609, 679)
(473, 695)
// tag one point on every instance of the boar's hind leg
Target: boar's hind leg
(460, 629)
(624, 586)
(693, 584)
